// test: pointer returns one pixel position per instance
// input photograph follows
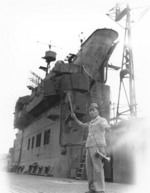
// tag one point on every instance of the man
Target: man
(95, 140)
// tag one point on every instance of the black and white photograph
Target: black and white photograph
(75, 93)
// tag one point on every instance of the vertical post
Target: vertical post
(133, 112)
(127, 70)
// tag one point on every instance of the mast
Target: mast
(127, 79)
(133, 109)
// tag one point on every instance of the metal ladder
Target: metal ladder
(82, 167)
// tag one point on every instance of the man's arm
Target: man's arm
(78, 121)
(105, 125)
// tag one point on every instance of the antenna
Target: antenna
(82, 37)
(50, 45)
(122, 13)
(50, 56)
(118, 14)
(36, 80)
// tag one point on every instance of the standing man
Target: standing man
(95, 140)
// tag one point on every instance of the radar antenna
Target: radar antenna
(122, 13)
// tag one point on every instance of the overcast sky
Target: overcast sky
(24, 23)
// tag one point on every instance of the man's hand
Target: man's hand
(108, 128)
(73, 115)
(78, 122)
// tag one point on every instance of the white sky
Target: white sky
(24, 22)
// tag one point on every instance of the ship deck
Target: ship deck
(23, 183)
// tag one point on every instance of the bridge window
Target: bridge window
(46, 137)
(32, 143)
(38, 140)
(28, 143)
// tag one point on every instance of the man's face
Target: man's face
(93, 112)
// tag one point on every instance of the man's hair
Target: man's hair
(94, 105)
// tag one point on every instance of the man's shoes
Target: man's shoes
(93, 191)
(90, 191)
(99, 192)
